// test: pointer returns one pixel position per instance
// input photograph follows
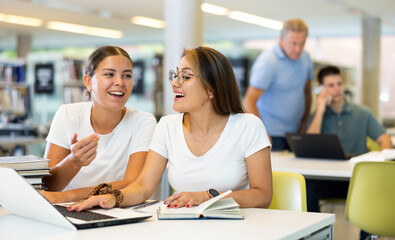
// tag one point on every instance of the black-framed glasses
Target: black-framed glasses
(180, 76)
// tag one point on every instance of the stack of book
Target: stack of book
(32, 168)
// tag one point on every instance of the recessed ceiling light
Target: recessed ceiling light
(214, 9)
(82, 29)
(253, 19)
(28, 21)
(148, 22)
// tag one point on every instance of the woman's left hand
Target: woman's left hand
(103, 201)
(186, 199)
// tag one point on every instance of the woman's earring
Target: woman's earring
(211, 97)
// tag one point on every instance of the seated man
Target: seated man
(352, 123)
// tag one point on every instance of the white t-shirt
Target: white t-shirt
(223, 167)
(133, 134)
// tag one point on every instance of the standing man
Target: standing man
(280, 85)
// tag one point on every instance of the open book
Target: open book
(376, 156)
(214, 208)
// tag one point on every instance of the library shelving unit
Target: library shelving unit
(14, 92)
(73, 85)
(15, 108)
(67, 84)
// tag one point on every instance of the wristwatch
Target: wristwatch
(213, 193)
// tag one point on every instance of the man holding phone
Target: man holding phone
(352, 123)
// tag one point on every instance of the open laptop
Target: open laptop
(20, 198)
(326, 146)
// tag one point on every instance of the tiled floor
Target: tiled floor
(344, 229)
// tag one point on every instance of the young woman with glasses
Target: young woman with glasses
(210, 146)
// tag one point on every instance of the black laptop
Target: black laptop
(326, 146)
(20, 198)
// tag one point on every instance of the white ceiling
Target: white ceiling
(324, 17)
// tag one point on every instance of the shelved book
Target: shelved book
(216, 208)
(27, 162)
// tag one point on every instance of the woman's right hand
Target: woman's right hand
(83, 152)
(104, 201)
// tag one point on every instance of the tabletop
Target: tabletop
(312, 168)
(258, 224)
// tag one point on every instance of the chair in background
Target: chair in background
(370, 201)
(289, 191)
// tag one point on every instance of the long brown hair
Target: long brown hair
(217, 76)
(98, 55)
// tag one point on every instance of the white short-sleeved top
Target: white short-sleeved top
(133, 134)
(223, 167)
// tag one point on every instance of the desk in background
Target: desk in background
(258, 224)
(312, 168)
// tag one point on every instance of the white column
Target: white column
(24, 43)
(184, 27)
(371, 64)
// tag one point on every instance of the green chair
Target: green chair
(289, 191)
(370, 201)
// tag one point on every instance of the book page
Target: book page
(207, 203)
(179, 212)
(191, 211)
(377, 156)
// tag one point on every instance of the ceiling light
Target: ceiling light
(214, 9)
(34, 22)
(253, 19)
(82, 29)
(149, 22)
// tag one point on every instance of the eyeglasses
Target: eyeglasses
(180, 76)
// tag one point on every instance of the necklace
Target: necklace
(199, 144)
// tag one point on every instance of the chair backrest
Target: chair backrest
(289, 191)
(370, 201)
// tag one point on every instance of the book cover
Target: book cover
(24, 162)
(34, 181)
(34, 172)
(216, 208)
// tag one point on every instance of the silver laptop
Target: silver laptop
(20, 198)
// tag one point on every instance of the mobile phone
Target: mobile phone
(318, 90)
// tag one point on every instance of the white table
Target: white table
(312, 168)
(258, 224)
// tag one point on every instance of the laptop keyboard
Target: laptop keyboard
(84, 215)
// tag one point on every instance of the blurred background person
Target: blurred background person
(280, 85)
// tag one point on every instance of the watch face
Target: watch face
(213, 192)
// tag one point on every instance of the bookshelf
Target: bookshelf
(68, 86)
(72, 78)
(15, 94)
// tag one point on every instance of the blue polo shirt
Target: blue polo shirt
(282, 104)
(353, 125)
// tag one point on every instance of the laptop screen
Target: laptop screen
(326, 146)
